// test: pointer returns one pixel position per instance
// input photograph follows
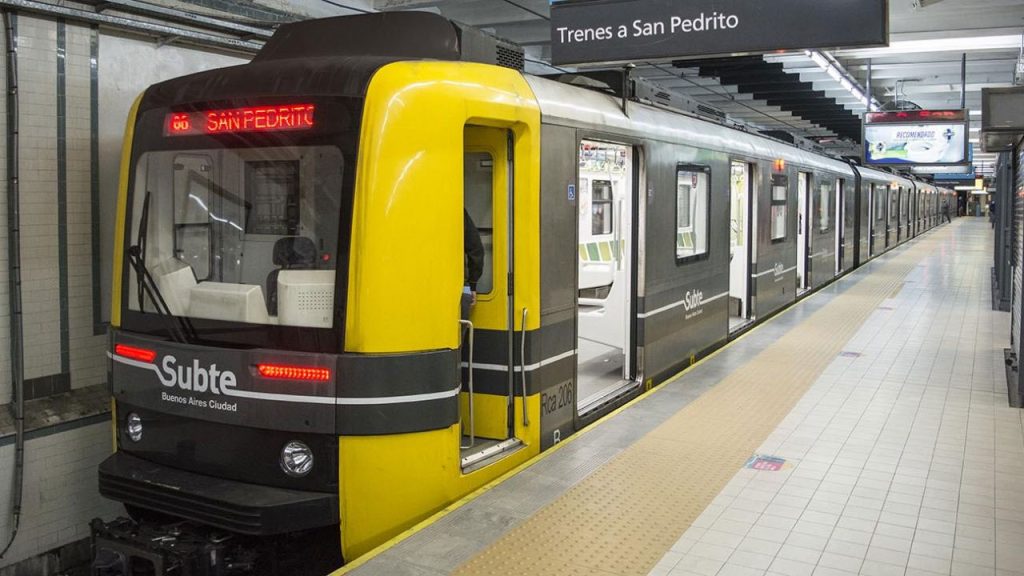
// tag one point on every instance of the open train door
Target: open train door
(488, 401)
(840, 224)
(741, 243)
(607, 178)
(803, 232)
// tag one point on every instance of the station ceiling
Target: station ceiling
(790, 91)
(795, 92)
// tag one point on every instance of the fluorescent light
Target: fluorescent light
(835, 71)
(975, 112)
(974, 141)
(961, 44)
(964, 188)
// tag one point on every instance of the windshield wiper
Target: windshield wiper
(179, 328)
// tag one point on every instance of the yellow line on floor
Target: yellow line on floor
(623, 518)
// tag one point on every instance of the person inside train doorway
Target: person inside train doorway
(474, 263)
(945, 210)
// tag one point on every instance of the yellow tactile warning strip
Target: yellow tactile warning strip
(624, 517)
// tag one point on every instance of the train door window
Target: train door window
(602, 216)
(905, 203)
(693, 212)
(823, 207)
(779, 206)
(478, 182)
(879, 228)
(193, 175)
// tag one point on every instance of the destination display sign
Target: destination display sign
(611, 31)
(237, 120)
(907, 116)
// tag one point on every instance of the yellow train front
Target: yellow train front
(285, 359)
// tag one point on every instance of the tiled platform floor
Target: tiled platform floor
(903, 459)
(903, 456)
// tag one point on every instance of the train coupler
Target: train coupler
(125, 547)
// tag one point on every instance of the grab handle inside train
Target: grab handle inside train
(618, 234)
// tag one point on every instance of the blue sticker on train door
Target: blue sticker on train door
(572, 193)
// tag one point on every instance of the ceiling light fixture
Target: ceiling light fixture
(961, 44)
(836, 71)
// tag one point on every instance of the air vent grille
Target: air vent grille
(510, 57)
(709, 111)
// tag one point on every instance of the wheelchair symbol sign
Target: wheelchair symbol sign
(572, 193)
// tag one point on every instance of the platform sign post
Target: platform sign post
(616, 31)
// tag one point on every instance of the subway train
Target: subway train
(292, 382)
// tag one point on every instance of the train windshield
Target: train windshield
(237, 234)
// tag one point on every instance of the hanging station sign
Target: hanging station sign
(610, 31)
(918, 137)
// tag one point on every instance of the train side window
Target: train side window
(779, 205)
(693, 211)
(824, 196)
(879, 196)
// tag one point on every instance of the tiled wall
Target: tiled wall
(60, 481)
(59, 491)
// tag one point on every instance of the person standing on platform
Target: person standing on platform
(992, 213)
(945, 210)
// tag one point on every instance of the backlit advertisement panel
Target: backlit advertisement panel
(944, 143)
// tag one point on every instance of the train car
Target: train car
(879, 210)
(292, 380)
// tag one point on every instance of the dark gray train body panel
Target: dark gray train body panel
(558, 267)
(774, 270)
(823, 236)
(680, 307)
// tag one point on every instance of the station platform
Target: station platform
(865, 430)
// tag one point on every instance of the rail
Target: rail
(467, 325)
(522, 368)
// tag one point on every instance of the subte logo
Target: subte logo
(195, 378)
(693, 299)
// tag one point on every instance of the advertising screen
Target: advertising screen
(944, 143)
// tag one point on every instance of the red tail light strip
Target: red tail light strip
(286, 372)
(135, 353)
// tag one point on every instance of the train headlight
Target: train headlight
(296, 459)
(133, 425)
